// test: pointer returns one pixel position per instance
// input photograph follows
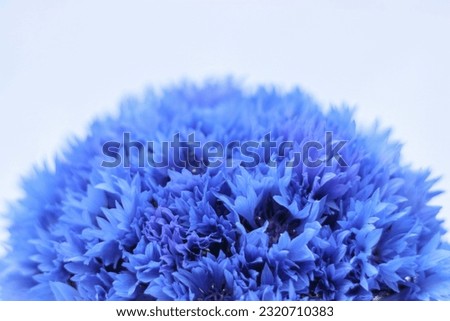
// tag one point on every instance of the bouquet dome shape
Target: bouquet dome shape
(124, 215)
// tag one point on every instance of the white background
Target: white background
(62, 63)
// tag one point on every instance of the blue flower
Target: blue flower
(359, 230)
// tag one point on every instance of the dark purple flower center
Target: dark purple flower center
(278, 218)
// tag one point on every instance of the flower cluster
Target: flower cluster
(364, 231)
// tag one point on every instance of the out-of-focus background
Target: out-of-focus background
(62, 63)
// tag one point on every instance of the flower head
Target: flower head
(357, 227)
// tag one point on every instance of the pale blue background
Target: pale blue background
(64, 62)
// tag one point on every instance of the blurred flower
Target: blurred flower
(364, 231)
